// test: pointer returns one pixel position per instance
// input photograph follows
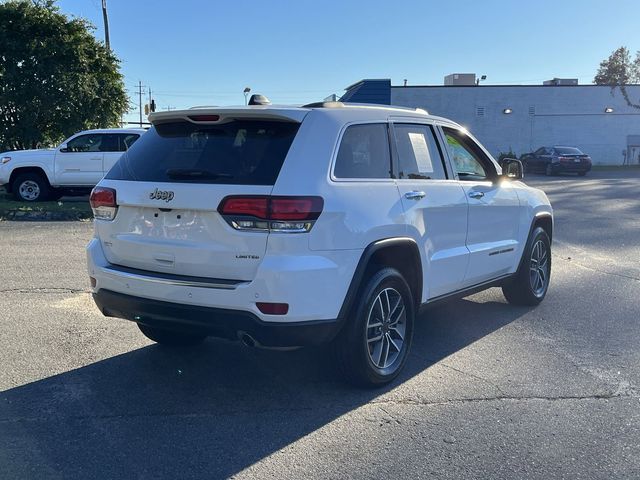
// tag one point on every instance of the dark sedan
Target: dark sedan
(554, 160)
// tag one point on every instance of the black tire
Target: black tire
(524, 288)
(549, 170)
(354, 351)
(30, 187)
(171, 338)
(582, 174)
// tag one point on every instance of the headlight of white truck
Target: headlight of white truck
(4, 160)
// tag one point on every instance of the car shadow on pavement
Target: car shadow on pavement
(211, 411)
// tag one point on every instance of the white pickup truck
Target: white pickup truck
(76, 165)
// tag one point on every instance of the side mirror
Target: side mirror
(512, 168)
(63, 148)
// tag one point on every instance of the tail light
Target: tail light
(270, 213)
(103, 203)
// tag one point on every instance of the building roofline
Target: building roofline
(359, 82)
(511, 85)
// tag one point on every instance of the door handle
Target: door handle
(414, 195)
(476, 195)
(96, 158)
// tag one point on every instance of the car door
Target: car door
(78, 162)
(435, 206)
(543, 158)
(114, 146)
(494, 209)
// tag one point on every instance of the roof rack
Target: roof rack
(363, 105)
(324, 105)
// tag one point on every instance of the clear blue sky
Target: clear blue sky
(195, 52)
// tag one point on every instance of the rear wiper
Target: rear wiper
(194, 173)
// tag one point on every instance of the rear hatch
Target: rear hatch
(170, 183)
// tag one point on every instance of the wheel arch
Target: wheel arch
(400, 253)
(22, 170)
(544, 220)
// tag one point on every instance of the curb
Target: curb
(13, 215)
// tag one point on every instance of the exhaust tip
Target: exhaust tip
(247, 340)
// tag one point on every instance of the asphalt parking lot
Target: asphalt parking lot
(490, 391)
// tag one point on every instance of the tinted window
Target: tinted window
(567, 151)
(364, 152)
(541, 151)
(110, 143)
(239, 152)
(126, 140)
(468, 160)
(85, 143)
(418, 152)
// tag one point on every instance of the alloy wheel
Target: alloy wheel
(539, 268)
(386, 328)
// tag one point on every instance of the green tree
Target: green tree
(55, 77)
(618, 71)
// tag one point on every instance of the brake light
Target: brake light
(204, 118)
(103, 203)
(251, 206)
(270, 213)
(296, 208)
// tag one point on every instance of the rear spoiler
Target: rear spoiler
(222, 115)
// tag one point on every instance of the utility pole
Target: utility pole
(140, 91)
(106, 24)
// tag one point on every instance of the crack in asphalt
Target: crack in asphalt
(341, 408)
(477, 377)
(573, 261)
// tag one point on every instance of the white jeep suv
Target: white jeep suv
(293, 226)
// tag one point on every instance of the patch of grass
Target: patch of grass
(58, 209)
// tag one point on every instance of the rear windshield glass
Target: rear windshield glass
(567, 151)
(241, 152)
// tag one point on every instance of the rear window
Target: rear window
(241, 152)
(567, 151)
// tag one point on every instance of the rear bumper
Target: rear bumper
(314, 286)
(570, 167)
(217, 322)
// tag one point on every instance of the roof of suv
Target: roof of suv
(115, 130)
(293, 113)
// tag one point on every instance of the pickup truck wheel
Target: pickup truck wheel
(374, 344)
(531, 281)
(549, 170)
(171, 338)
(30, 187)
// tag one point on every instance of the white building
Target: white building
(522, 118)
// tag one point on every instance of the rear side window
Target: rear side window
(364, 152)
(419, 156)
(240, 152)
(567, 151)
(126, 140)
